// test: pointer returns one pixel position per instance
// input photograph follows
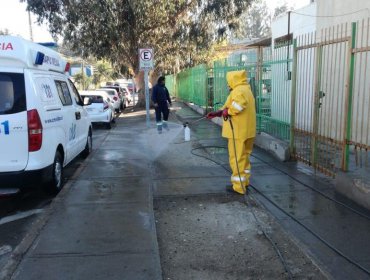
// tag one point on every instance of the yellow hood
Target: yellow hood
(236, 78)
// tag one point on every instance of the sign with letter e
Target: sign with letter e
(146, 59)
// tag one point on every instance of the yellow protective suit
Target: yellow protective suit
(242, 110)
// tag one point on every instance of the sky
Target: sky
(13, 16)
(296, 4)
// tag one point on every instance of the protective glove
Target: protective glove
(214, 114)
(225, 113)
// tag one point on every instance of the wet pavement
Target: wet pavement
(19, 211)
(103, 219)
(331, 228)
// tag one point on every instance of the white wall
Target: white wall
(280, 85)
(338, 15)
(299, 24)
(333, 20)
(338, 8)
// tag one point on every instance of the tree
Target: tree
(281, 10)
(4, 32)
(178, 30)
(256, 21)
(83, 82)
(103, 72)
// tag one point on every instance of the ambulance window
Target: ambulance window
(63, 93)
(12, 93)
(76, 94)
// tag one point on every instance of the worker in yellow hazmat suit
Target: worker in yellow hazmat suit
(239, 109)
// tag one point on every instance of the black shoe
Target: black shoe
(230, 189)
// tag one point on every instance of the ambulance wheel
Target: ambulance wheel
(56, 183)
(88, 148)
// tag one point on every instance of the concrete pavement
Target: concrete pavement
(328, 226)
(102, 225)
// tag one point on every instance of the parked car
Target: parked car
(99, 111)
(128, 95)
(120, 93)
(128, 83)
(115, 99)
(130, 87)
(43, 121)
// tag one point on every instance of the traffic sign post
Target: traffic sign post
(146, 79)
(146, 63)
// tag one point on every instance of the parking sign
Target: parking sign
(146, 59)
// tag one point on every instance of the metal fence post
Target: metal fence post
(293, 97)
(316, 104)
(259, 80)
(349, 101)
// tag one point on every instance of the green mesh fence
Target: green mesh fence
(273, 98)
(242, 61)
(171, 84)
(268, 73)
(191, 85)
(200, 82)
(184, 85)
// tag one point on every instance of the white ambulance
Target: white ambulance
(43, 122)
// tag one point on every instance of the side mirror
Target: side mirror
(87, 101)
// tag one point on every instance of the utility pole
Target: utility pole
(290, 41)
(83, 70)
(30, 25)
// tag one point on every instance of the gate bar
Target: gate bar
(345, 161)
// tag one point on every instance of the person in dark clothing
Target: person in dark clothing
(161, 99)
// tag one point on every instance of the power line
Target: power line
(342, 15)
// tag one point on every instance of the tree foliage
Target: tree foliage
(82, 81)
(180, 31)
(103, 72)
(281, 10)
(4, 32)
(256, 21)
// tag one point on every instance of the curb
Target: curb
(354, 185)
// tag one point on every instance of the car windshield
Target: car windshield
(109, 91)
(95, 98)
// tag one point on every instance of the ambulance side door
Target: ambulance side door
(70, 123)
(83, 121)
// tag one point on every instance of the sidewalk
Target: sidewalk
(328, 226)
(102, 225)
